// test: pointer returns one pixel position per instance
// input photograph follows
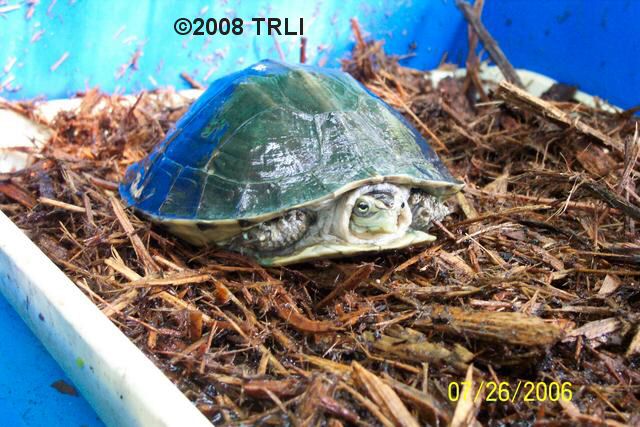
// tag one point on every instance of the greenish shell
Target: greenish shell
(273, 137)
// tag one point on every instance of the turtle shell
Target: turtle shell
(275, 136)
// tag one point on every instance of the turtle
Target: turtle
(288, 163)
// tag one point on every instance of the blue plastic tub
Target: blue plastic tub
(53, 49)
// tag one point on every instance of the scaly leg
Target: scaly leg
(277, 233)
(425, 208)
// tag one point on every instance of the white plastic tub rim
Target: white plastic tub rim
(117, 379)
(124, 387)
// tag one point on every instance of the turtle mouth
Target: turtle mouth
(373, 214)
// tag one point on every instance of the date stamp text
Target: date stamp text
(503, 391)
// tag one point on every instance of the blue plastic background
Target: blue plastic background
(594, 44)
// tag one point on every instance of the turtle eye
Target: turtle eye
(363, 207)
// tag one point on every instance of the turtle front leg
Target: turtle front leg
(276, 234)
(425, 208)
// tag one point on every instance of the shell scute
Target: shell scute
(183, 199)
(157, 183)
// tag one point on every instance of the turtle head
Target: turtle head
(375, 213)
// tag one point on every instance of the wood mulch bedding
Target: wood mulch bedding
(534, 276)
